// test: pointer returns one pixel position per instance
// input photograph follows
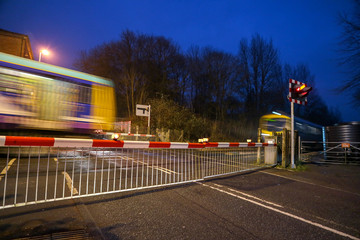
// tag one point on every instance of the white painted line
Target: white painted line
(70, 184)
(243, 144)
(229, 165)
(302, 181)
(136, 144)
(3, 172)
(68, 142)
(251, 196)
(165, 170)
(223, 145)
(2, 140)
(179, 145)
(285, 213)
(168, 171)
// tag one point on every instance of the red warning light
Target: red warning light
(300, 88)
(298, 92)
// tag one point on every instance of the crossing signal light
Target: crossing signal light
(301, 91)
(300, 88)
(298, 92)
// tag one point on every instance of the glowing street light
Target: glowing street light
(45, 52)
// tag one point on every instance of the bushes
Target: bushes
(166, 114)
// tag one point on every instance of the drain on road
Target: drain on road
(69, 235)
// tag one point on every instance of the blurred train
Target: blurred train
(36, 96)
(276, 121)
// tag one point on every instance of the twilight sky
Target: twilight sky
(304, 31)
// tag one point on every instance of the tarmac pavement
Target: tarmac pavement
(321, 202)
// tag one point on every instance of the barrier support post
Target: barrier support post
(258, 160)
(284, 159)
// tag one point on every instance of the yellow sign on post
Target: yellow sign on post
(345, 145)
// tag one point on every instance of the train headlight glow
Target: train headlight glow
(203, 140)
(115, 136)
(276, 113)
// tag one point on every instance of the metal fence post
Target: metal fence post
(345, 149)
(284, 159)
(258, 150)
(299, 148)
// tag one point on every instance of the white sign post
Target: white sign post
(144, 111)
(292, 137)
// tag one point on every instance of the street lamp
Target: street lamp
(43, 51)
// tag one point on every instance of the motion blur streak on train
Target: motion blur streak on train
(276, 122)
(39, 96)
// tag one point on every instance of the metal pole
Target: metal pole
(299, 148)
(292, 137)
(258, 150)
(345, 155)
(148, 131)
(284, 154)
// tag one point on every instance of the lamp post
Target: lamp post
(43, 51)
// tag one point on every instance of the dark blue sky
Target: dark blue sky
(304, 31)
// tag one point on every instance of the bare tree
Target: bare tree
(351, 52)
(261, 74)
(213, 74)
(199, 91)
(131, 82)
(141, 66)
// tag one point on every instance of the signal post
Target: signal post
(298, 92)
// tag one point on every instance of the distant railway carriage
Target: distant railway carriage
(40, 96)
(276, 122)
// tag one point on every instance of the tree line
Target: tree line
(223, 92)
(350, 50)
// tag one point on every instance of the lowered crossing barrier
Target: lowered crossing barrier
(37, 170)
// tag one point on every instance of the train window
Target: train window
(300, 126)
(12, 85)
(274, 124)
(84, 94)
(81, 94)
(312, 130)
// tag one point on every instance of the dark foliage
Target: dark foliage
(350, 45)
(204, 92)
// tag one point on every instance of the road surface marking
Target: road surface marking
(250, 196)
(285, 213)
(165, 170)
(168, 171)
(69, 183)
(302, 181)
(3, 172)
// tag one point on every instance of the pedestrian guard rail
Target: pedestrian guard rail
(331, 152)
(37, 169)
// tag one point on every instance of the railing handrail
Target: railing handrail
(330, 142)
(63, 168)
(8, 141)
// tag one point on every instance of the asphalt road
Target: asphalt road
(319, 203)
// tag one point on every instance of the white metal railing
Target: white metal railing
(36, 170)
(331, 152)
